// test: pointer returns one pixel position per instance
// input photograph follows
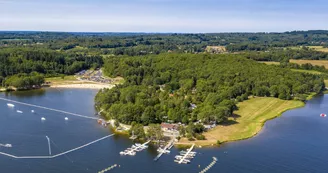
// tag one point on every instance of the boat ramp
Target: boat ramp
(185, 156)
(134, 149)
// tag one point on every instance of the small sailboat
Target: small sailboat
(10, 105)
(18, 111)
(43, 119)
(66, 118)
(323, 115)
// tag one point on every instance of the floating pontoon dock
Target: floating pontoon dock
(185, 156)
(135, 148)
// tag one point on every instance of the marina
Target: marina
(134, 149)
(185, 156)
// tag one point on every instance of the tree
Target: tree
(116, 123)
(155, 132)
(137, 130)
(148, 116)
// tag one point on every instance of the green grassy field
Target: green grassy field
(62, 81)
(307, 71)
(250, 118)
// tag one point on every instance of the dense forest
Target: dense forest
(145, 43)
(190, 87)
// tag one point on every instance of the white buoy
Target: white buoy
(66, 118)
(43, 119)
(32, 111)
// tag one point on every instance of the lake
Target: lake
(295, 142)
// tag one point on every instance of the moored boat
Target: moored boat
(10, 105)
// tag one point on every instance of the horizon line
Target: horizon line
(151, 32)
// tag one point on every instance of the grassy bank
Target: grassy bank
(248, 120)
(63, 80)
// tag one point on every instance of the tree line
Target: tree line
(145, 43)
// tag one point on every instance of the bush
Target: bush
(218, 142)
(190, 137)
(200, 137)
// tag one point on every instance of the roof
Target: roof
(169, 126)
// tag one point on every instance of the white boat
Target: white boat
(8, 145)
(32, 111)
(10, 105)
(43, 119)
(18, 111)
(66, 118)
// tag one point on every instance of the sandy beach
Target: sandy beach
(83, 86)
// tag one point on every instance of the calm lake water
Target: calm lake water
(296, 142)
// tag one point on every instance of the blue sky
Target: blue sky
(164, 15)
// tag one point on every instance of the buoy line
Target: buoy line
(57, 155)
(56, 110)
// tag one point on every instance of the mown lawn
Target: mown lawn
(248, 120)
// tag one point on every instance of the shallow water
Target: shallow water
(295, 142)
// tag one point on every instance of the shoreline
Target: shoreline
(82, 86)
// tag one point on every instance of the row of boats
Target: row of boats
(134, 149)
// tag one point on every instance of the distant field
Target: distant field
(307, 71)
(313, 62)
(249, 119)
(215, 49)
(269, 62)
(316, 48)
(319, 48)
